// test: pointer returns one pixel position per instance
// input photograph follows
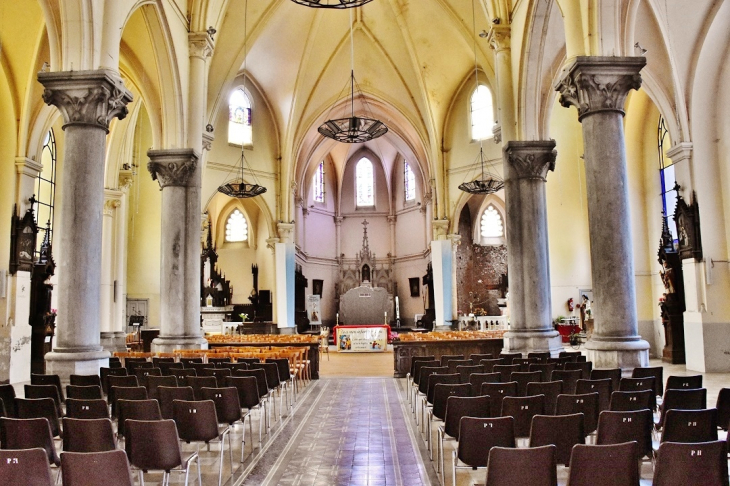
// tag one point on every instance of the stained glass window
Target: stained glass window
(45, 192)
(492, 226)
(236, 227)
(364, 183)
(318, 184)
(409, 182)
(482, 113)
(667, 179)
(239, 118)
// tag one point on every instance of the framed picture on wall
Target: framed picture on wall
(415, 286)
(317, 287)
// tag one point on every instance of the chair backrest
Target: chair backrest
(28, 467)
(573, 355)
(137, 410)
(698, 464)
(28, 433)
(476, 380)
(525, 363)
(196, 420)
(479, 435)
(477, 357)
(88, 435)
(227, 405)
(167, 367)
(105, 373)
(614, 374)
(651, 371)
(133, 366)
(219, 373)
(125, 393)
(248, 360)
(585, 368)
(426, 372)
(453, 363)
(506, 370)
(418, 365)
(115, 362)
(85, 392)
(441, 394)
(626, 426)
(152, 444)
(617, 465)
(723, 408)
(156, 361)
(497, 392)
(198, 367)
(690, 426)
(568, 377)
(508, 357)
(143, 373)
(236, 366)
(168, 394)
(416, 359)
(217, 361)
(85, 380)
(563, 431)
(182, 373)
(7, 395)
(444, 360)
(523, 378)
(534, 466)
(457, 407)
(445, 379)
(603, 387)
(260, 376)
(465, 371)
(109, 467)
(490, 363)
(551, 390)
(187, 361)
(87, 409)
(628, 401)
(119, 381)
(154, 382)
(197, 383)
(29, 408)
(545, 368)
(248, 390)
(639, 384)
(45, 391)
(541, 355)
(684, 382)
(54, 380)
(282, 364)
(693, 399)
(585, 403)
(523, 409)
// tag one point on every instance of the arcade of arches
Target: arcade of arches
(122, 118)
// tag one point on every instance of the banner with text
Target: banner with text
(353, 339)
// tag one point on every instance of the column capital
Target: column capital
(91, 98)
(681, 151)
(529, 159)
(112, 200)
(126, 178)
(440, 228)
(595, 84)
(392, 218)
(28, 167)
(339, 220)
(499, 37)
(270, 244)
(172, 167)
(208, 138)
(455, 240)
(200, 45)
(286, 232)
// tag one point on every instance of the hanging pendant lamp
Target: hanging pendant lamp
(353, 129)
(239, 188)
(341, 4)
(489, 183)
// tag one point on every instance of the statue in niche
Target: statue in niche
(667, 274)
(365, 273)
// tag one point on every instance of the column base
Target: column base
(167, 344)
(624, 353)
(67, 363)
(114, 342)
(287, 330)
(528, 341)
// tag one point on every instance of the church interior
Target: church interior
(173, 171)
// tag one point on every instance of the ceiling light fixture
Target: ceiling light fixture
(332, 3)
(353, 129)
(489, 182)
(239, 188)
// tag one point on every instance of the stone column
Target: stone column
(391, 221)
(200, 48)
(442, 262)
(499, 39)
(174, 169)
(526, 165)
(338, 236)
(88, 101)
(284, 256)
(597, 87)
(112, 337)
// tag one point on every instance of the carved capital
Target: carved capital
(86, 97)
(110, 205)
(126, 178)
(455, 240)
(392, 219)
(200, 45)
(172, 167)
(208, 141)
(680, 152)
(500, 37)
(286, 232)
(440, 229)
(529, 160)
(497, 133)
(28, 167)
(270, 244)
(600, 84)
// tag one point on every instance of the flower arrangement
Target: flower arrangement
(243, 316)
(479, 311)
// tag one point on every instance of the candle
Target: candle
(386, 317)
(337, 316)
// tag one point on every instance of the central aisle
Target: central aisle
(344, 431)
